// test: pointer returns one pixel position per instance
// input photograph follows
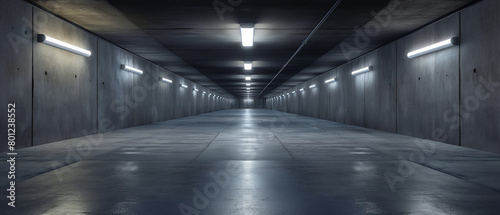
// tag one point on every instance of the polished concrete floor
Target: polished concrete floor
(250, 162)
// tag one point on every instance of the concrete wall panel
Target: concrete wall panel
(143, 92)
(331, 95)
(15, 69)
(428, 85)
(116, 100)
(380, 89)
(311, 98)
(65, 84)
(114, 88)
(164, 95)
(337, 106)
(480, 77)
(353, 89)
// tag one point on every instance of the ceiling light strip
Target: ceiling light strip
(42, 38)
(360, 71)
(247, 34)
(330, 80)
(131, 69)
(303, 43)
(166, 80)
(434, 47)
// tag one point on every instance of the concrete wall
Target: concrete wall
(64, 86)
(61, 95)
(480, 77)
(449, 96)
(428, 85)
(16, 70)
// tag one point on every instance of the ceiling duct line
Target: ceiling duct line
(303, 43)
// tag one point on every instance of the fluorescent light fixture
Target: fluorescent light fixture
(166, 80)
(247, 31)
(301, 89)
(62, 45)
(288, 94)
(248, 91)
(209, 94)
(435, 47)
(196, 89)
(131, 69)
(293, 92)
(248, 84)
(248, 88)
(330, 80)
(359, 71)
(248, 78)
(312, 86)
(183, 85)
(247, 66)
(204, 92)
(249, 100)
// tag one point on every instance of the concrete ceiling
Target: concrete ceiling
(195, 40)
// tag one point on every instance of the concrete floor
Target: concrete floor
(253, 162)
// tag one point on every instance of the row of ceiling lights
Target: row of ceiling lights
(247, 38)
(77, 50)
(166, 80)
(247, 35)
(413, 54)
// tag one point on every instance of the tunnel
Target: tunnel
(246, 107)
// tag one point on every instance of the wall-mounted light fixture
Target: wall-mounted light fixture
(183, 86)
(293, 92)
(131, 69)
(301, 89)
(247, 32)
(287, 94)
(360, 71)
(247, 65)
(312, 86)
(330, 80)
(62, 45)
(166, 80)
(195, 89)
(435, 47)
(248, 78)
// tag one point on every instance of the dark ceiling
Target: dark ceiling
(195, 40)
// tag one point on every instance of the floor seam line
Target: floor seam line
(454, 176)
(283, 145)
(208, 145)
